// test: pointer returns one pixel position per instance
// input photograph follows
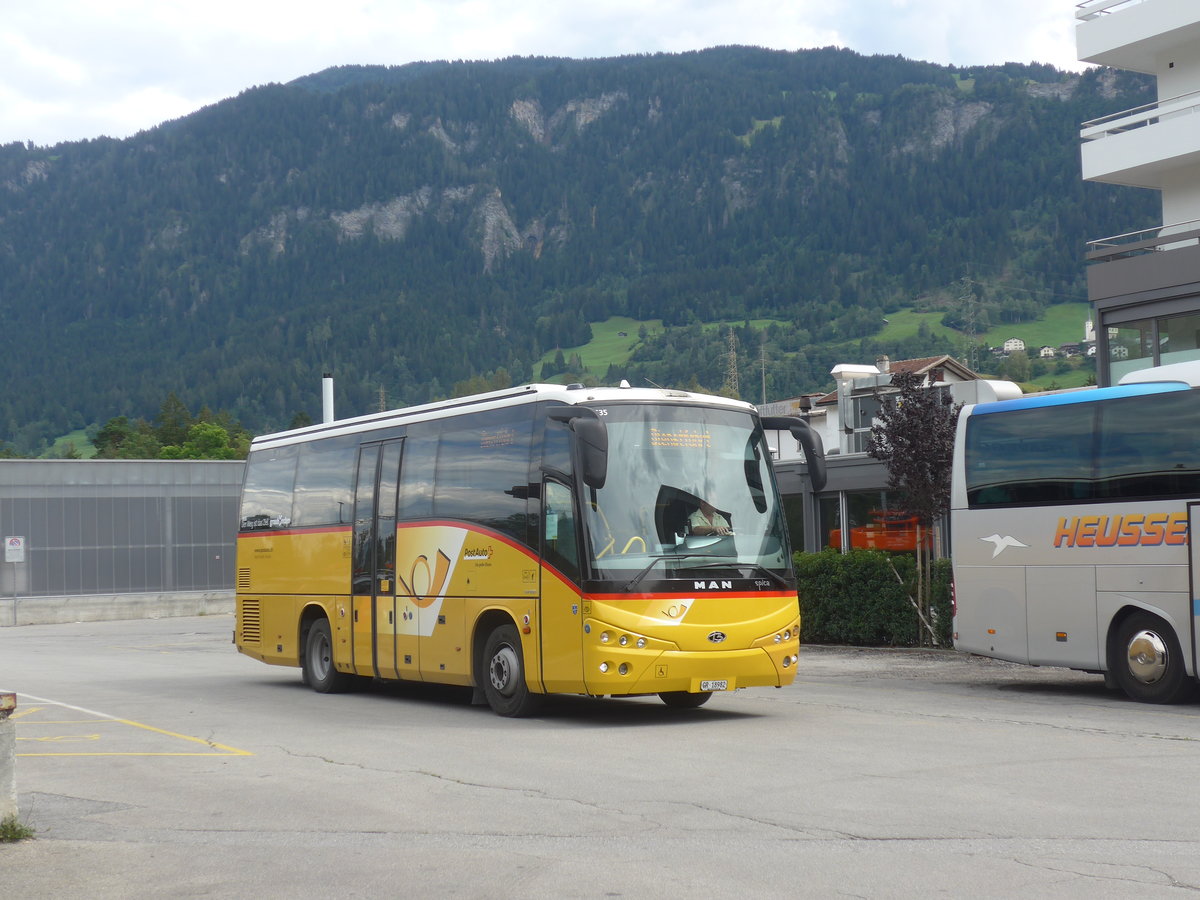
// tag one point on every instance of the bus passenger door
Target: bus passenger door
(1194, 580)
(362, 572)
(374, 554)
(561, 615)
(384, 600)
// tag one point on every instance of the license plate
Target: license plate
(722, 685)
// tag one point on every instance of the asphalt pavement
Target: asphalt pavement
(155, 761)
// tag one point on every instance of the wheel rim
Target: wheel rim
(318, 656)
(503, 670)
(1146, 657)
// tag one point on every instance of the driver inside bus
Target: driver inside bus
(707, 521)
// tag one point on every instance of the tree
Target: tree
(1017, 367)
(914, 438)
(119, 438)
(205, 440)
(174, 420)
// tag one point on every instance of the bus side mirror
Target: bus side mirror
(593, 450)
(814, 450)
(591, 438)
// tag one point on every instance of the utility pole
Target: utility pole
(970, 306)
(762, 357)
(731, 371)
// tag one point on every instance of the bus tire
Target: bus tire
(684, 699)
(316, 665)
(1147, 662)
(504, 675)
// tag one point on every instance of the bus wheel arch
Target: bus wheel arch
(1145, 658)
(309, 615)
(317, 669)
(499, 667)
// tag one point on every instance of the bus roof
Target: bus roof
(529, 393)
(1065, 398)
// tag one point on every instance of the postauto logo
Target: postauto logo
(1131, 530)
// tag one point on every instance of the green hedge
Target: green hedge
(854, 598)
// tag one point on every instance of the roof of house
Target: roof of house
(922, 366)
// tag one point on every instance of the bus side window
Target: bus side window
(560, 545)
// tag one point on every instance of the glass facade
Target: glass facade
(118, 526)
(1150, 342)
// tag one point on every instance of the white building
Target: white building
(1145, 286)
(1012, 345)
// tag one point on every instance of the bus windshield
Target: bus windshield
(689, 489)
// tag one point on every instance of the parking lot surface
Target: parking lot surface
(155, 761)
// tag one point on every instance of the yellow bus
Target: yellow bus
(539, 540)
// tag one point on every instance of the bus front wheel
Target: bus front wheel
(504, 675)
(316, 664)
(1147, 661)
(684, 699)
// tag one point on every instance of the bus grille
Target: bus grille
(251, 621)
(243, 579)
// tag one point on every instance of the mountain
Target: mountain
(408, 228)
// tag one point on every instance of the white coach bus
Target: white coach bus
(1071, 516)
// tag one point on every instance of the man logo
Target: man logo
(717, 636)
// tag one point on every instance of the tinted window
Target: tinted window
(556, 447)
(416, 481)
(1132, 447)
(483, 470)
(324, 479)
(267, 494)
(1147, 447)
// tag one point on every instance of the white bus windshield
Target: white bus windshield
(688, 489)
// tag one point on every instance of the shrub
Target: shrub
(855, 598)
(11, 830)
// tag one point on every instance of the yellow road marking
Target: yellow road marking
(24, 712)
(215, 749)
(64, 737)
(229, 751)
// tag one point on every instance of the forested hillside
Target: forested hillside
(410, 228)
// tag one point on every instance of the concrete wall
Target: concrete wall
(116, 539)
(108, 607)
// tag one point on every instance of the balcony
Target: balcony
(1140, 147)
(1134, 34)
(1144, 262)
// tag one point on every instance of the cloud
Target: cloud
(75, 68)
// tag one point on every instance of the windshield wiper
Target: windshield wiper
(637, 579)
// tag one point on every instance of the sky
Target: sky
(75, 69)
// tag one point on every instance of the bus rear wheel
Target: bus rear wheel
(316, 663)
(1147, 662)
(684, 699)
(504, 675)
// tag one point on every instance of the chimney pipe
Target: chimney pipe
(327, 398)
